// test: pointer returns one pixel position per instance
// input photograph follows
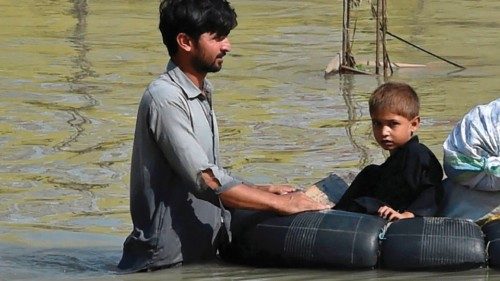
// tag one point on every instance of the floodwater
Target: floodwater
(72, 73)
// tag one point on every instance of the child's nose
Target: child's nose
(386, 130)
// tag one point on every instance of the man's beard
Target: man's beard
(202, 65)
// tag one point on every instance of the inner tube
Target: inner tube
(433, 243)
(327, 239)
(492, 232)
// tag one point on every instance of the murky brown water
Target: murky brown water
(72, 72)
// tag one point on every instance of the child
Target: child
(408, 183)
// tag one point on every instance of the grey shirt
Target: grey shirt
(176, 216)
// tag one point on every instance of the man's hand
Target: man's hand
(297, 202)
(387, 212)
(279, 189)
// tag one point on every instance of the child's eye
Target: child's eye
(393, 124)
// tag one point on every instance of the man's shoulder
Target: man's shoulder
(164, 87)
(162, 91)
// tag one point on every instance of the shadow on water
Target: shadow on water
(99, 263)
(17, 263)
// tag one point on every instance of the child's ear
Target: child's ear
(415, 124)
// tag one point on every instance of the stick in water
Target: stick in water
(421, 49)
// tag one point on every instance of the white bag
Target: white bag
(472, 150)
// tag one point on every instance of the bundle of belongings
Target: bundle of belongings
(472, 165)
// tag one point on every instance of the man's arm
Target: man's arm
(170, 121)
(247, 197)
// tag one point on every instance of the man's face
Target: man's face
(209, 52)
(392, 130)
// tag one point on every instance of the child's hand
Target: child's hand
(389, 213)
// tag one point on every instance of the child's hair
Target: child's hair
(395, 97)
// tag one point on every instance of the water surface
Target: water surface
(72, 73)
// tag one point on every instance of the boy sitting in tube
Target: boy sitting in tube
(408, 183)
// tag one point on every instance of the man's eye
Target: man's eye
(218, 37)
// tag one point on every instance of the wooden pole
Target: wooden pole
(384, 31)
(377, 39)
(345, 31)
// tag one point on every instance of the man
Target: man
(178, 191)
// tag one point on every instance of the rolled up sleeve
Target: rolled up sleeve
(225, 179)
(171, 124)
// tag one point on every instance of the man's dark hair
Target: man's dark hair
(194, 17)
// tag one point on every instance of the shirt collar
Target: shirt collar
(179, 77)
(413, 139)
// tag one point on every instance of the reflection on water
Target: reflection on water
(354, 118)
(72, 73)
(82, 69)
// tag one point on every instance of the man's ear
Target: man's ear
(184, 41)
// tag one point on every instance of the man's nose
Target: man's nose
(226, 45)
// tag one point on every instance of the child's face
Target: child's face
(392, 130)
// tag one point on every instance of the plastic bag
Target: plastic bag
(472, 150)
